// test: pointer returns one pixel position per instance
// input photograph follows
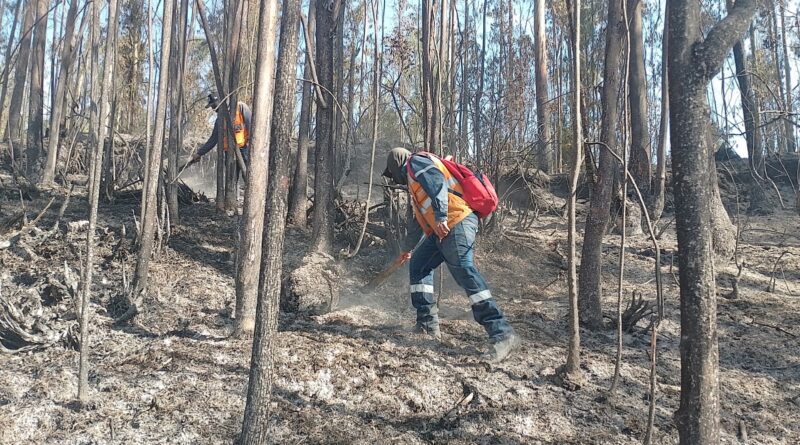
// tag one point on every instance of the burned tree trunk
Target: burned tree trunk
(545, 151)
(13, 130)
(755, 152)
(67, 56)
(693, 61)
(428, 84)
(250, 230)
(176, 70)
(479, 94)
(322, 223)
(571, 370)
(298, 195)
(36, 95)
(789, 131)
(95, 166)
(7, 61)
(637, 93)
(660, 183)
(150, 188)
(597, 219)
(256, 417)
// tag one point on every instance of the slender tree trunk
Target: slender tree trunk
(149, 109)
(341, 161)
(107, 178)
(558, 124)
(233, 56)
(463, 124)
(7, 62)
(693, 61)
(428, 86)
(597, 219)
(150, 189)
(67, 56)
(175, 145)
(772, 36)
(640, 164)
(14, 130)
(442, 63)
(322, 222)
(229, 170)
(660, 183)
(479, 94)
(3, 16)
(298, 198)
(749, 110)
(57, 44)
(789, 132)
(361, 78)
(95, 165)
(255, 429)
(572, 366)
(36, 95)
(449, 120)
(545, 150)
(350, 135)
(250, 248)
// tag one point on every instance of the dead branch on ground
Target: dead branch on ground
(14, 238)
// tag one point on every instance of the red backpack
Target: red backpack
(479, 193)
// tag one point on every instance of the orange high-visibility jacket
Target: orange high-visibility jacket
(240, 131)
(457, 208)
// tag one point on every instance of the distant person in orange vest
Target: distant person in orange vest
(241, 131)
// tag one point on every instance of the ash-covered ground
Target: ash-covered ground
(356, 375)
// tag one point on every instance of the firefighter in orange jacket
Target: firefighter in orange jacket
(449, 226)
(241, 131)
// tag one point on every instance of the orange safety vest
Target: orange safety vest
(240, 131)
(457, 208)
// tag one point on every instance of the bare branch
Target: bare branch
(710, 54)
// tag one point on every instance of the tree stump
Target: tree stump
(311, 287)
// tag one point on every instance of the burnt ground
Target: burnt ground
(356, 375)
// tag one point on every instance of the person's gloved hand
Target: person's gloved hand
(403, 257)
(195, 158)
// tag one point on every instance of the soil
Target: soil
(357, 374)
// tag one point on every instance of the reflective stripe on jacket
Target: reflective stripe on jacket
(424, 212)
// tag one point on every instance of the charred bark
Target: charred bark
(35, 142)
(151, 186)
(250, 230)
(693, 61)
(545, 151)
(67, 56)
(637, 92)
(322, 222)
(13, 130)
(298, 196)
(597, 219)
(95, 166)
(257, 410)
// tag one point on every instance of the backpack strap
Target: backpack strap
(408, 162)
(427, 155)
